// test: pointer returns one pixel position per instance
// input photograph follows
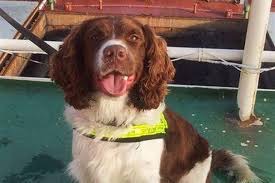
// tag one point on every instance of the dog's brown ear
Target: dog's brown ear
(67, 69)
(157, 72)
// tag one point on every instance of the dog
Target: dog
(114, 73)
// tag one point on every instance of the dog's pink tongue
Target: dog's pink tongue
(114, 84)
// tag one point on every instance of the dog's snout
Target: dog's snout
(114, 52)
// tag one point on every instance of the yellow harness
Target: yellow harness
(135, 133)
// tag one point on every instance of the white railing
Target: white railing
(194, 54)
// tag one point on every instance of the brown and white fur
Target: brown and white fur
(114, 73)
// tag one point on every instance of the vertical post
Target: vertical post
(246, 9)
(51, 3)
(242, 1)
(254, 45)
(100, 4)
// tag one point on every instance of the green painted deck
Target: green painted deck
(35, 142)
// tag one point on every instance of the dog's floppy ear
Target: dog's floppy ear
(158, 70)
(67, 69)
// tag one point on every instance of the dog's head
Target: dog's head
(115, 56)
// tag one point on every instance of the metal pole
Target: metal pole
(25, 46)
(193, 54)
(254, 45)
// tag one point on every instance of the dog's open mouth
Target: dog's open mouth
(115, 83)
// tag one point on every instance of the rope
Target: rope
(240, 67)
(25, 58)
(182, 57)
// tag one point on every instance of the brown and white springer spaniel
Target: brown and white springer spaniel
(114, 73)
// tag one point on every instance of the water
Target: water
(19, 10)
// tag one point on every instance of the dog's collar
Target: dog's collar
(135, 133)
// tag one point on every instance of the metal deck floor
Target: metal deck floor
(35, 142)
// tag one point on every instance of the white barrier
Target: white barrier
(195, 54)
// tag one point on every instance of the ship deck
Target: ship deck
(35, 142)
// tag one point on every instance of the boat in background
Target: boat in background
(183, 23)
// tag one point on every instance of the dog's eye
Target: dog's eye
(133, 37)
(97, 36)
(93, 37)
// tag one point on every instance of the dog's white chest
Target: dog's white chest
(105, 162)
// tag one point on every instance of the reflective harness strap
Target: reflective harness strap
(135, 133)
